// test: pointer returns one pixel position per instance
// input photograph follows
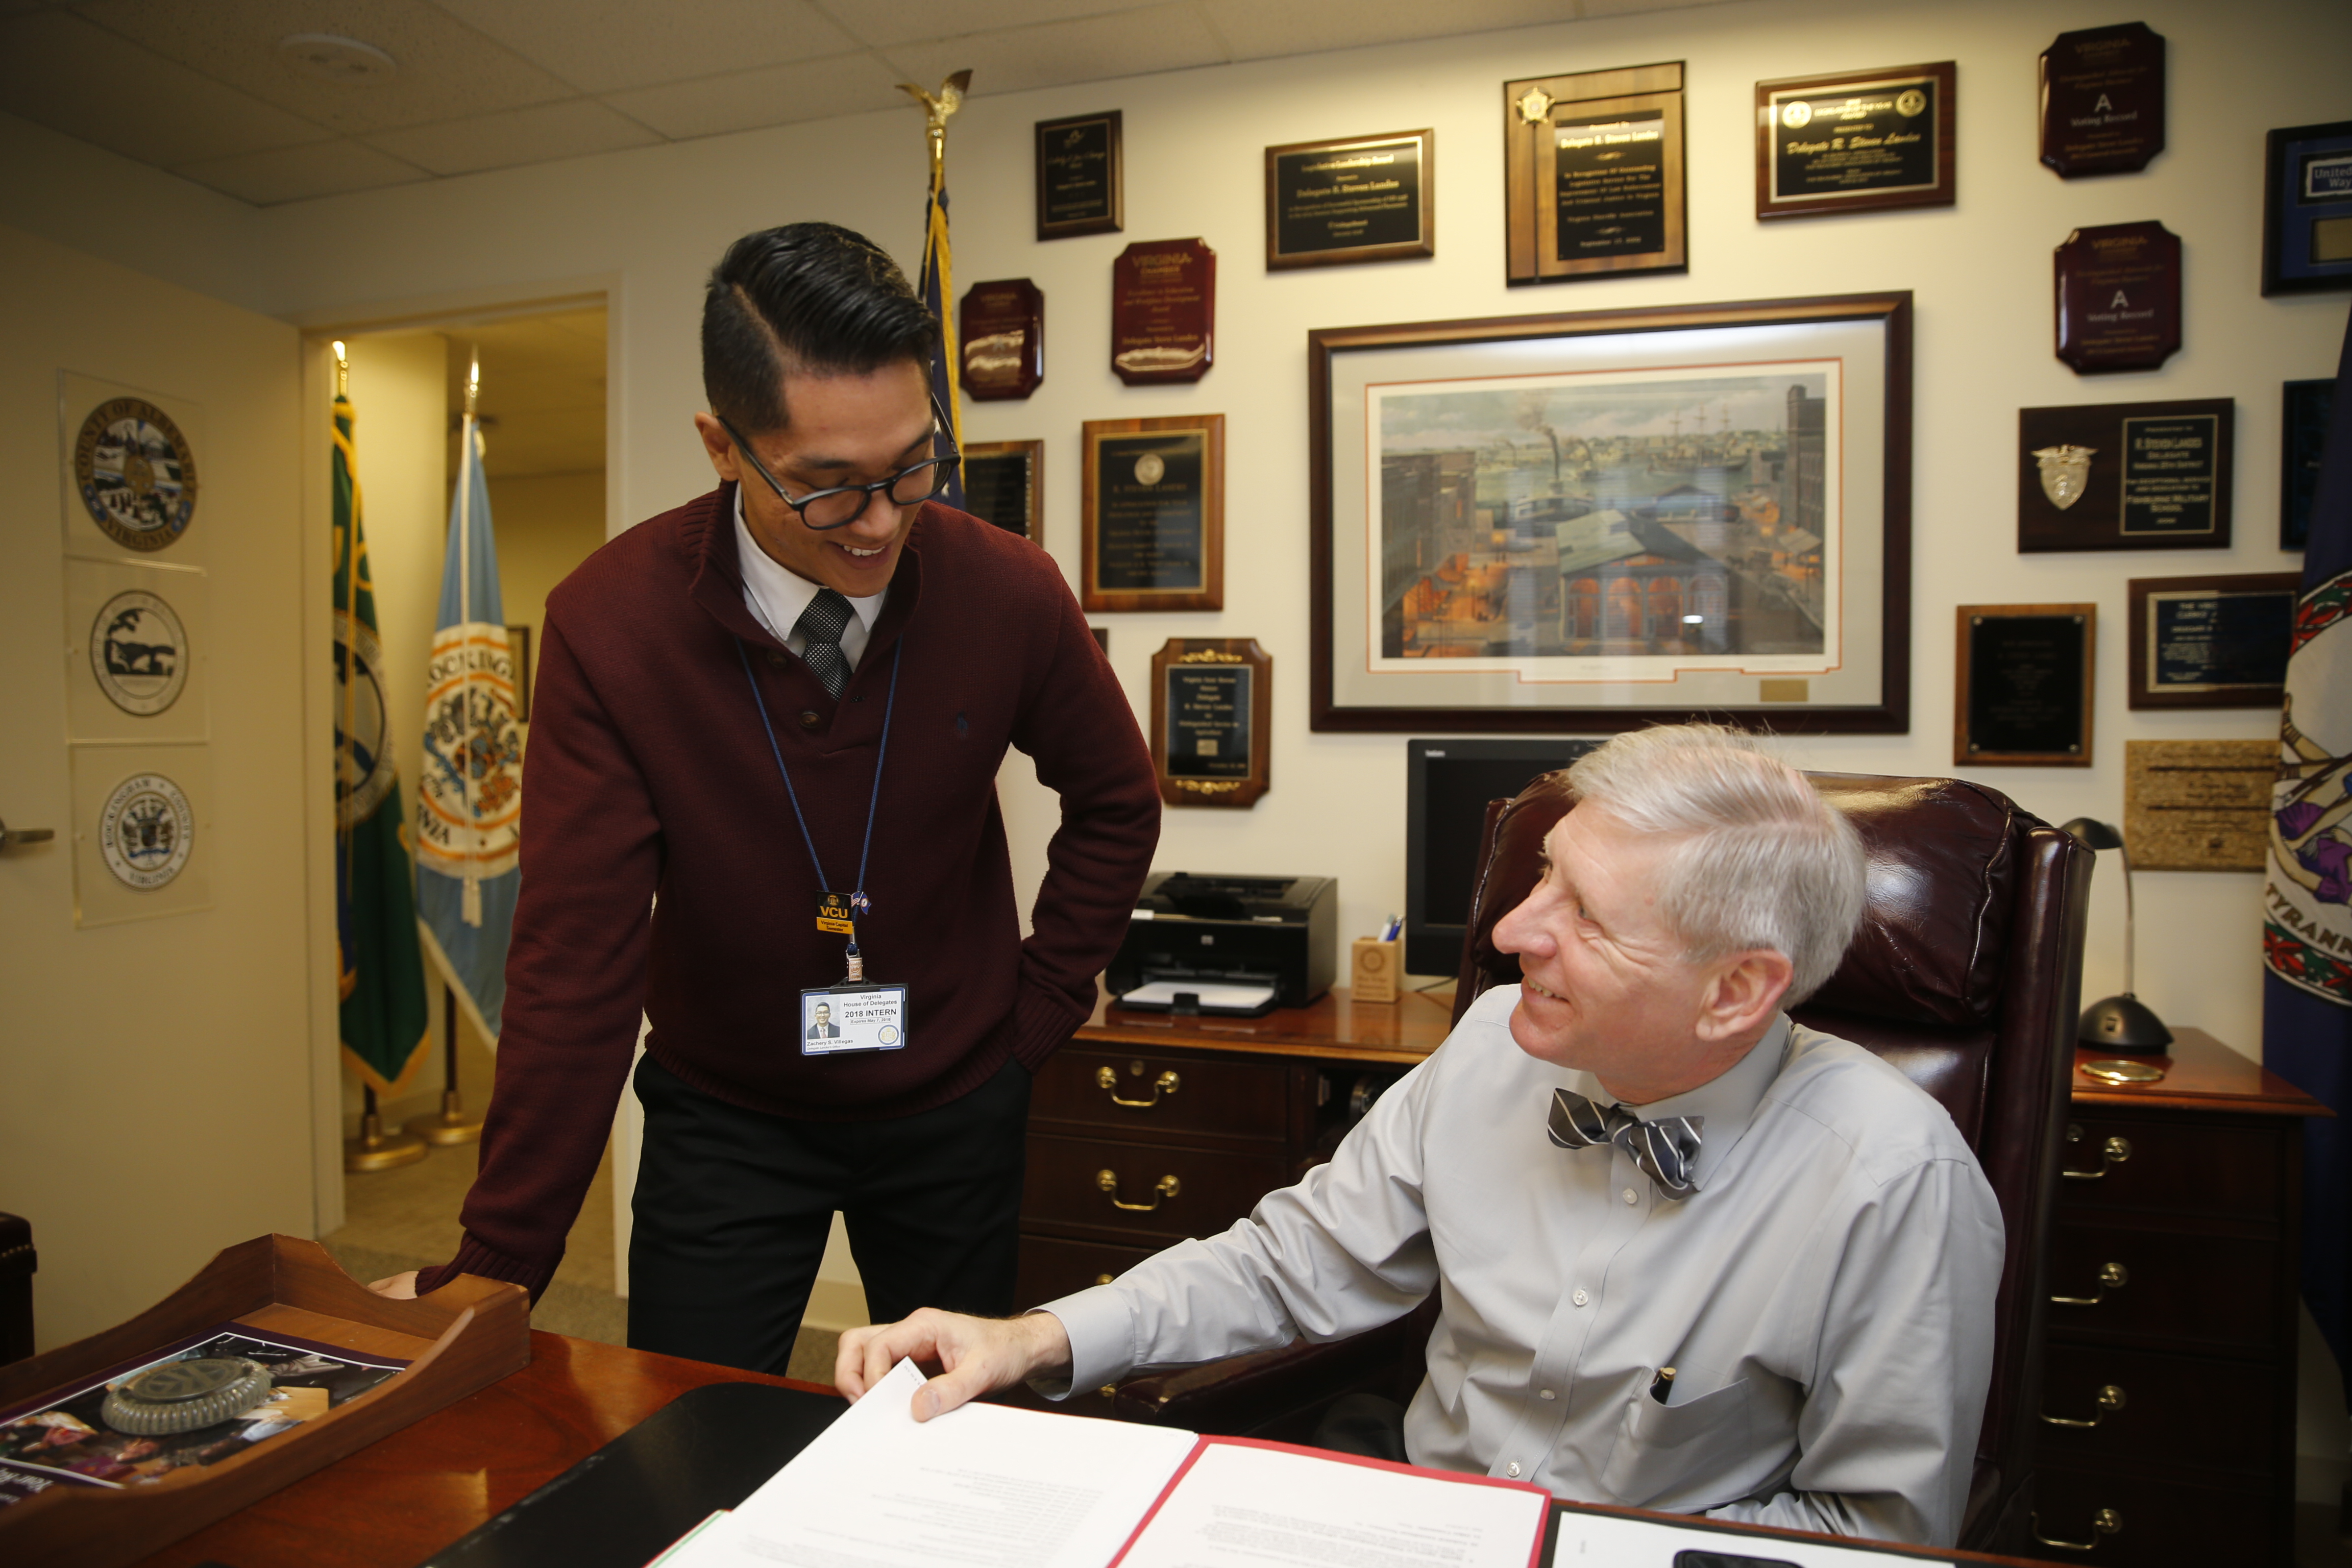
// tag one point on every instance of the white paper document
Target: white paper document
(1244, 1506)
(982, 1487)
(1604, 1540)
(1163, 993)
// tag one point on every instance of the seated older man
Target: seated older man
(1689, 1256)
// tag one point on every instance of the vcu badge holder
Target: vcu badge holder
(857, 1014)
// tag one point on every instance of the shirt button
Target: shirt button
(1512, 1469)
(1631, 1197)
(1579, 1297)
(810, 718)
(1543, 1394)
(776, 657)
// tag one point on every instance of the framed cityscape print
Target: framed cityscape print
(1602, 519)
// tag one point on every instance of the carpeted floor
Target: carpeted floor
(397, 1220)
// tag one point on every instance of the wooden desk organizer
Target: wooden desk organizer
(462, 1337)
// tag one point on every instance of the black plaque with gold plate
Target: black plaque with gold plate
(1211, 720)
(1154, 510)
(1593, 174)
(1856, 141)
(2126, 476)
(1005, 483)
(2024, 686)
(1364, 198)
(1081, 188)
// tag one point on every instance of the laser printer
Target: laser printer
(1240, 946)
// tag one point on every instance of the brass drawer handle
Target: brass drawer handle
(1102, 1278)
(2110, 1400)
(2107, 1521)
(2112, 1277)
(2113, 1153)
(1164, 1084)
(1165, 1187)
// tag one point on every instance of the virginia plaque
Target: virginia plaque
(1001, 330)
(1163, 311)
(2103, 100)
(2118, 297)
(1081, 186)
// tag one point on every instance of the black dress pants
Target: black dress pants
(732, 1207)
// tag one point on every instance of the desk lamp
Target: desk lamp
(2122, 1023)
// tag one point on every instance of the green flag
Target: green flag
(383, 971)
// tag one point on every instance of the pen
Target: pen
(1662, 1384)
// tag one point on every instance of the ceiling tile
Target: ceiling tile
(881, 22)
(540, 134)
(1260, 31)
(61, 71)
(775, 95)
(447, 69)
(1129, 43)
(600, 46)
(291, 173)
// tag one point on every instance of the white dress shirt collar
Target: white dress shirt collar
(1727, 1100)
(777, 595)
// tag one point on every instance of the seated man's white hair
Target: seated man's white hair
(1759, 860)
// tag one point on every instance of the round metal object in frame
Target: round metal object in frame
(184, 1396)
(2123, 1072)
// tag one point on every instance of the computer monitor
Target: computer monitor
(1448, 784)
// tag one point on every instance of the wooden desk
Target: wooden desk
(1148, 1128)
(396, 1503)
(2168, 1380)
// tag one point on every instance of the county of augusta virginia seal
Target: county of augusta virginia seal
(146, 831)
(136, 474)
(139, 653)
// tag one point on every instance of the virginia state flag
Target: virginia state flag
(939, 294)
(469, 801)
(383, 978)
(2307, 899)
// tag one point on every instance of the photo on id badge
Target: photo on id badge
(869, 1018)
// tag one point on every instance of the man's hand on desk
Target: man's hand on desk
(399, 1287)
(978, 1355)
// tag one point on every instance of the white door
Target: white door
(162, 673)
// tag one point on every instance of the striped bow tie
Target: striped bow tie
(1666, 1149)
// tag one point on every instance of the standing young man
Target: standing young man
(773, 713)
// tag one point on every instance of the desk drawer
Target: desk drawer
(1166, 1094)
(2201, 1293)
(2121, 1162)
(2167, 1409)
(2163, 1523)
(1186, 1192)
(1052, 1268)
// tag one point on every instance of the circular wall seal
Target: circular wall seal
(1911, 102)
(139, 653)
(145, 831)
(136, 473)
(1796, 114)
(1150, 469)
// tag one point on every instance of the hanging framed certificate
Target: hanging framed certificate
(1211, 720)
(2211, 642)
(1366, 198)
(1154, 510)
(2024, 686)
(1856, 141)
(1592, 167)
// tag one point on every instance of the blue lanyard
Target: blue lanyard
(857, 895)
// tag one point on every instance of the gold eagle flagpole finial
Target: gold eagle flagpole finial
(938, 108)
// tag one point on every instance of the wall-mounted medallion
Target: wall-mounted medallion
(146, 831)
(136, 474)
(139, 653)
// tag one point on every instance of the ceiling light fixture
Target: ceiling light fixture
(330, 56)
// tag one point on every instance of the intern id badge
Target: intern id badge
(857, 1015)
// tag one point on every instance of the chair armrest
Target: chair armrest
(1278, 1393)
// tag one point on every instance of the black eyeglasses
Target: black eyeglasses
(822, 511)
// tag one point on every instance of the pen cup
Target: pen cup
(1372, 969)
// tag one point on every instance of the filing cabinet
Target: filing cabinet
(2168, 1382)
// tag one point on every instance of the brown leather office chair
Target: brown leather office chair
(1965, 975)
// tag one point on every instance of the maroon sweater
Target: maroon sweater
(648, 774)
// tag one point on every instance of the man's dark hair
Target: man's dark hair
(805, 299)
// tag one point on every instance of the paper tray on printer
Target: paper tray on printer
(1231, 1001)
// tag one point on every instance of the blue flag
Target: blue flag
(938, 292)
(469, 801)
(2307, 899)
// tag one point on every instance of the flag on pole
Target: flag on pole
(469, 800)
(2307, 899)
(936, 285)
(381, 975)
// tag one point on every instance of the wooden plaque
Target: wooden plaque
(1211, 720)
(1856, 141)
(1081, 185)
(1163, 311)
(2024, 675)
(1154, 507)
(1367, 198)
(2198, 805)
(1001, 328)
(1005, 483)
(2103, 100)
(1593, 174)
(2126, 476)
(2118, 297)
(2211, 642)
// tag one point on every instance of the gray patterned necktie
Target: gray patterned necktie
(820, 628)
(1666, 1149)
